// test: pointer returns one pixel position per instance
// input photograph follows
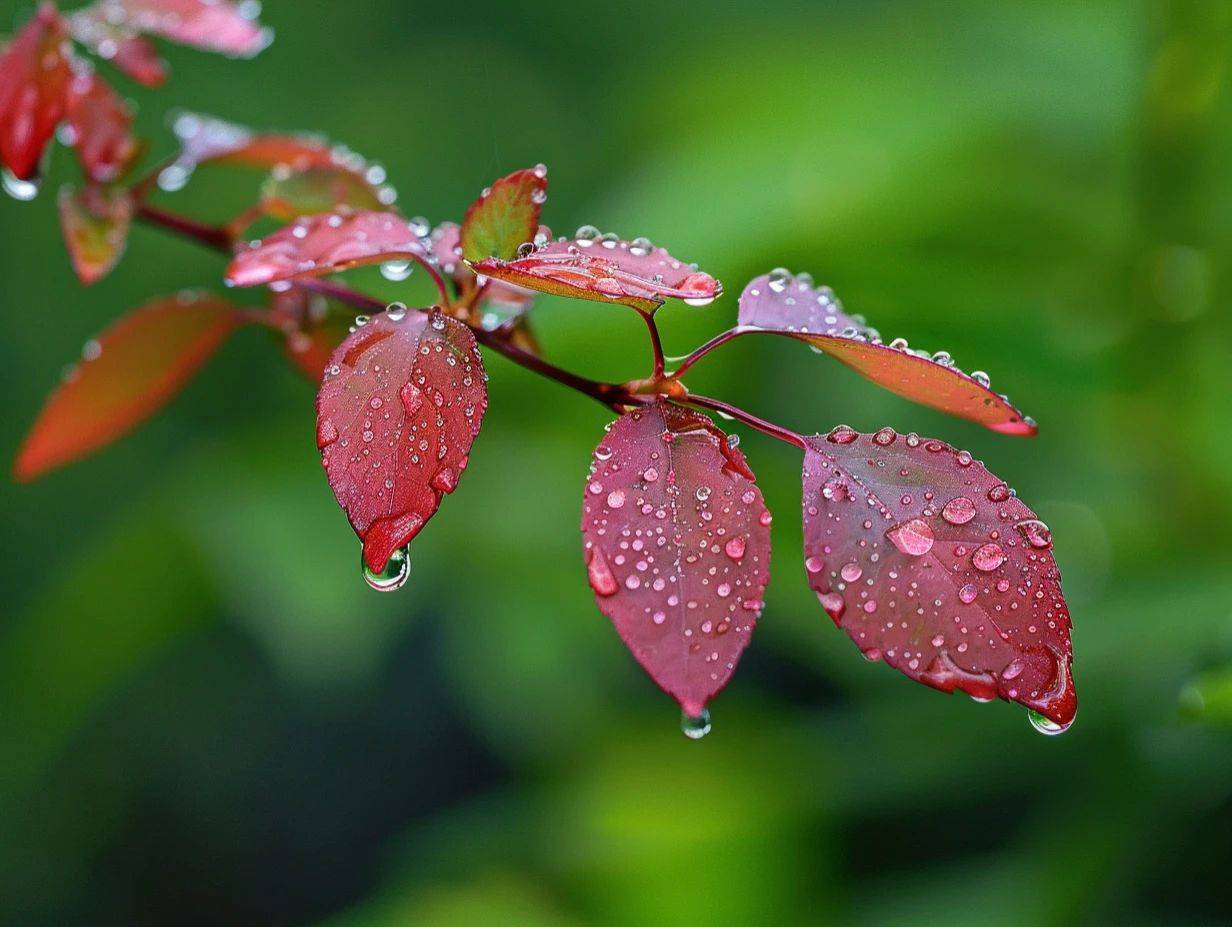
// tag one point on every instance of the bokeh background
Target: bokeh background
(206, 717)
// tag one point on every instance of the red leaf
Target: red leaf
(95, 223)
(677, 545)
(505, 216)
(127, 374)
(446, 242)
(780, 304)
(213, 25)
(932, 564)
(34, 76)
(135, 56)
(603, 268)
(326, 243)
(402, 402)
(100, 126)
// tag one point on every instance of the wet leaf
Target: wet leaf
(288, 194)
(129, 372)
(401, 403)
(604, 268)
(782, 304)
(932, 564)
(95, 222)
(325, 243)
(212, 25)
(34, 77)
(100, 126)
(677, 545)
(505, 216)
(135, 56)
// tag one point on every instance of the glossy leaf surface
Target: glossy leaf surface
(129, 372)
(95, 222)
(213, 25)
(505, 216)
(676, 540)
(401, 403)
(604, 268)
(782, 304)
(34, 77)
(100, 127)
(932, 564)
(326, 243)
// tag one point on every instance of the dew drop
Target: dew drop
(958, 511)
(1047, 725)
(1037, 533)
(842, 434)
(18, 189)
(599, 574)
(695, 727)
(393, 575)
(734, 548)
(913, 538)
(396, 271)
(988, 558)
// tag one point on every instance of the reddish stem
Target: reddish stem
(209, 235)
(698, 353)
(656, 344)
(765, 427)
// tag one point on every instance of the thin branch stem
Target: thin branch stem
(209, 235)
(775, 431)
(698, 353)
(435, 276)
(656, 344)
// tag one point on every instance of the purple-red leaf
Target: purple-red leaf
(325, 243)
(95, 223)
(34, 77)
(603, 268)
(677, 546)
(505, 216)
(99, 125)
(781, 304)
(129, 372)
(932, 564)
(401, 403)
(213, 25)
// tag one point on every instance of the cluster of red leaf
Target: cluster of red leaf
(926, 560)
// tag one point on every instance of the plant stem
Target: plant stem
(698, 353)
(209, 235)
(656, 344)
(775, 431)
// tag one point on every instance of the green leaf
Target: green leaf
(505, 216)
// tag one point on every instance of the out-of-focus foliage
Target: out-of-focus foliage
(207, 717)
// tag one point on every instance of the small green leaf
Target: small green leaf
(505, 216)
(95, 223)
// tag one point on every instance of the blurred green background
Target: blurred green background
(206, 717)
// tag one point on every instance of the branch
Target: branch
(698, 353)
(656, 344)
(775, 431)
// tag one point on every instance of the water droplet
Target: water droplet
(393, 575)
(967, 593)
(780, 277)
(695, 727)
(913, 538)
(395, 312)
(851, 572)
(842, 434)
(1047, 725)
(396, 271)
(734, 548)
(599, 574)
(988, 558)
(1038, 534)
(958, 511)
(18, 189)
(885, 437)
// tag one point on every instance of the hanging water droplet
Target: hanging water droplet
(396, 271)
(695, 727)
(18, 189)
(1047, 725)
(395, 312)
(393, 575)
